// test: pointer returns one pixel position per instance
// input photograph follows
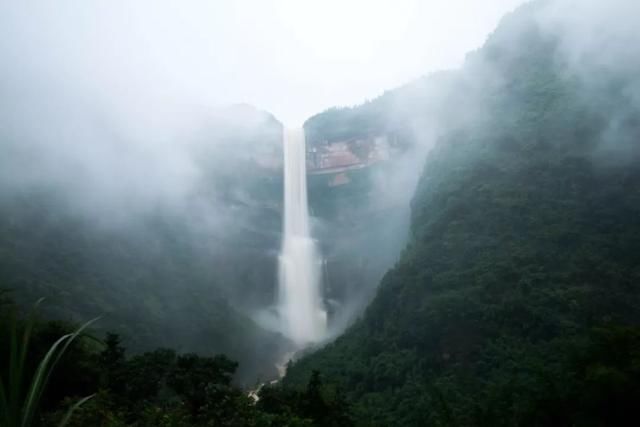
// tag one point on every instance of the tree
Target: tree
(112, 363)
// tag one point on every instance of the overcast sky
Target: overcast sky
(293, 58)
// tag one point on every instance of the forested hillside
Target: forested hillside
(165, 273)
(516, 301)
(155, 388)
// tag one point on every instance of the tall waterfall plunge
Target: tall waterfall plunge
(301, 307)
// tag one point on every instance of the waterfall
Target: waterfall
(301, 308)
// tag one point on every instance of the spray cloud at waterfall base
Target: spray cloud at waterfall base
(303, 318)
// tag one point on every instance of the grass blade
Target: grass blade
(15, 376)
(21, 356)
(73, 408)
(44, 370)
(38, 383)
(4, 404)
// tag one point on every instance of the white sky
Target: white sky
(293, 58)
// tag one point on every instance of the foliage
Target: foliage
(156, 388)
(21, 391)
(323, 403)
(516, 301)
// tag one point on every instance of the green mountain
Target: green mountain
(516, 300)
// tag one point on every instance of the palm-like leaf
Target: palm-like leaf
(18, 409)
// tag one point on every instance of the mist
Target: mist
(103, 100)
(587, 44)
(118, 174)
(117, 114)
(101, 87)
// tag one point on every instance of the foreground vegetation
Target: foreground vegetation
(89, 382)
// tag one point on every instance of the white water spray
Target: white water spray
(301, 308)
